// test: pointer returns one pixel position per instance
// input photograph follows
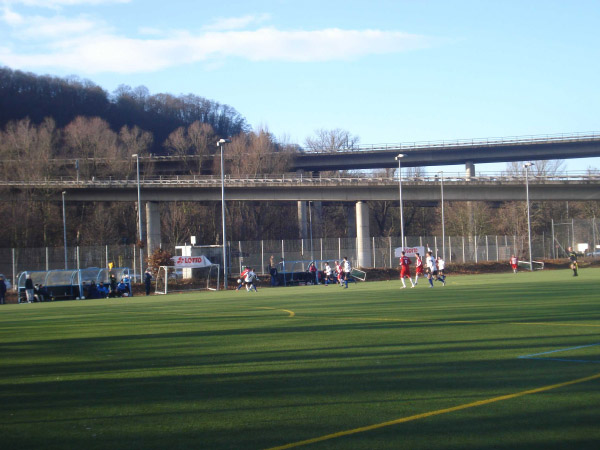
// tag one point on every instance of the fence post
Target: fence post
(78, 268)
(553, 244)
(262, 255)
(449, 249)
(107, 256)
(240, 255)
(134, 260)
(594, 236)
(321, 239)
(573, 231)
(463, 245)
(543, 244)
(487, 249)
(374, 265)
(14, 270)
(282, 251)
(476, 256)
(339, 249)
(390, 239)
(435, 246)
(497, 250)
(420, 241)
(47, 269)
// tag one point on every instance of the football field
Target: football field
(488, 361)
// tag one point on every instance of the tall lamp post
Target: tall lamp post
(527, 166)
(64, 226)
(221, 143)
(312, 256)
(139, 208)
(441, 174)
(399, 158)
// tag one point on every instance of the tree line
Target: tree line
(45, 119)
(26, 95)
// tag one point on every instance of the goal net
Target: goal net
(171, 279)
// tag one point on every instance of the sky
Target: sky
(386, 71)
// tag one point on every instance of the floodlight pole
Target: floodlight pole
(221, 143)
(64, 226)
(399, 158)
(527, 166)
(441, 172)
(139, 207)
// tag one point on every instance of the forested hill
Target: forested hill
(63, 99)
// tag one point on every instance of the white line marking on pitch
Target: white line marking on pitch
(533, 355)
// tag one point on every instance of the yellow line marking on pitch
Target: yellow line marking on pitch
(291, 313)
(435, 413)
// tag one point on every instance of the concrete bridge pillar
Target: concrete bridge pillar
(363, 235)
(302, 220)
(152, 226)
(469, 170)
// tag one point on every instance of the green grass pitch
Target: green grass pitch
(368, 367)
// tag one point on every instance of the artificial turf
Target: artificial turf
(238, 370)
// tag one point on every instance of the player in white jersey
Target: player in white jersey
(441, 266)
(347, 267)
(431, 268)
(328, 273)
(250, 279)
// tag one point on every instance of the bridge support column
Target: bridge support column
(363, 238)
(152, 226)
(469, 170)
(302, 221)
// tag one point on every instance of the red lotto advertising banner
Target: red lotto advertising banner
(410, 251)
(190, 261)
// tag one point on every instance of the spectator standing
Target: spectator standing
(2, 291)
(273, 271)
(29, 288)
(148, 280)
(573, 259)
(113, 285)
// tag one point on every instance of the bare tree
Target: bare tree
(336, 140)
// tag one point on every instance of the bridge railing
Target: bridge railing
(475, 142)
(295, 179)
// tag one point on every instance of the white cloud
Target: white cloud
(53, 4)
(236, 23)
(86, 45)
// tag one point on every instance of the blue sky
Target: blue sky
(387, 71)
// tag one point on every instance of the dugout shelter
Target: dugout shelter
(70, 284)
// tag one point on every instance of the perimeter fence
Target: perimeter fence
(583, 235)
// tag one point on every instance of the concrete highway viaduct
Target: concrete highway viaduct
(358, 190)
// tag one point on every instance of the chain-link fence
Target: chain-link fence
(582, 235)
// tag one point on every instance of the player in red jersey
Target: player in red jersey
(242, 279)
(405, 270)
(514, 262)
(419, 269)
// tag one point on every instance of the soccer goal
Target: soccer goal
(170, 279)
(537, 265)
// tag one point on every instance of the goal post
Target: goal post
(170, 279)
